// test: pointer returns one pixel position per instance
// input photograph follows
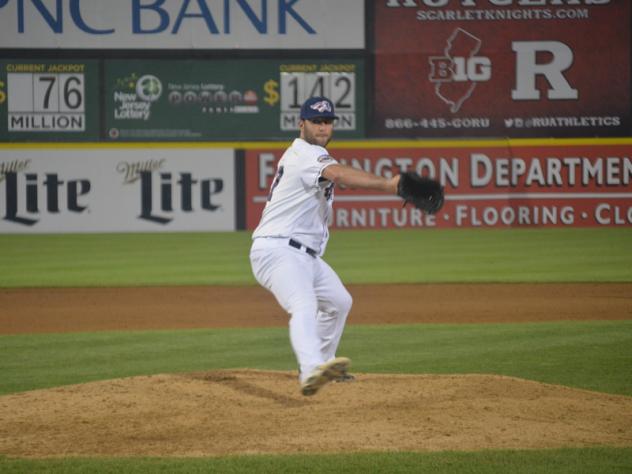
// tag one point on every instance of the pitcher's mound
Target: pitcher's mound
(248, 411)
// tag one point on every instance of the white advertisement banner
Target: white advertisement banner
(182, 24)
(117, 190)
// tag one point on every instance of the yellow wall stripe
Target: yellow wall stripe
(500, 143)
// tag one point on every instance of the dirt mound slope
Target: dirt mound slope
(249, 411)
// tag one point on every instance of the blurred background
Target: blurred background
(169, 116)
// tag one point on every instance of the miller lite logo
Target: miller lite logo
(456, 73)
(322, 106)
(28, 196)
(159, 196)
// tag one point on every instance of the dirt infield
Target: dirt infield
(248, 411)
(96, 309)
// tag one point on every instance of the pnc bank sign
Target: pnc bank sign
(216, 24)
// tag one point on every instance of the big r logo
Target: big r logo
(456, 73)
(528, 68)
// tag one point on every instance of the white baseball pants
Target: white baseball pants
(310, 291)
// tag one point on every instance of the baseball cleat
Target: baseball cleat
(324, 374)
(344, 378)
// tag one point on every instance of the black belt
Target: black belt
(300, 246)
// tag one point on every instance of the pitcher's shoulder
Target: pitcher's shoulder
(302, 147)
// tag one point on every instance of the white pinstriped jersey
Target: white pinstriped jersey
(299, 203)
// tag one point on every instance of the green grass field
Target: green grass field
(561, 461)
(479, 255)
(591, 355)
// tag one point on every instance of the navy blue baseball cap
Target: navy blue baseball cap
(317, 107)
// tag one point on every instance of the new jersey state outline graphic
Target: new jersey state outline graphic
(460, 44)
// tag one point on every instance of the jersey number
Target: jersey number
(275, 183)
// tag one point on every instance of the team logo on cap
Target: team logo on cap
(322, 106)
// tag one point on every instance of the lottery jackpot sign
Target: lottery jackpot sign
(339, 85)
(199, 100)
(48, 100)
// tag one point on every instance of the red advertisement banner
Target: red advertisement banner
(521, 68)
(493, 186)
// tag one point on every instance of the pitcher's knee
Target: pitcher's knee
(344, 303)
(301, 310)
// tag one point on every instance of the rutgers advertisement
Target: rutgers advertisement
(493, 186)
(116, 190)
(502, 68)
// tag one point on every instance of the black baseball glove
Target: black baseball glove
(425, 193)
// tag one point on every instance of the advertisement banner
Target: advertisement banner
(182, 24)
(48, 100)
(488, 68)
(489, 186)
(116, 190)
(227, 99)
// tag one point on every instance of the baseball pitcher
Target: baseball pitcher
(290, 240)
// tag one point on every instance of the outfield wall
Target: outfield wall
(141, 116)
(186, 187)
(180, 70)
